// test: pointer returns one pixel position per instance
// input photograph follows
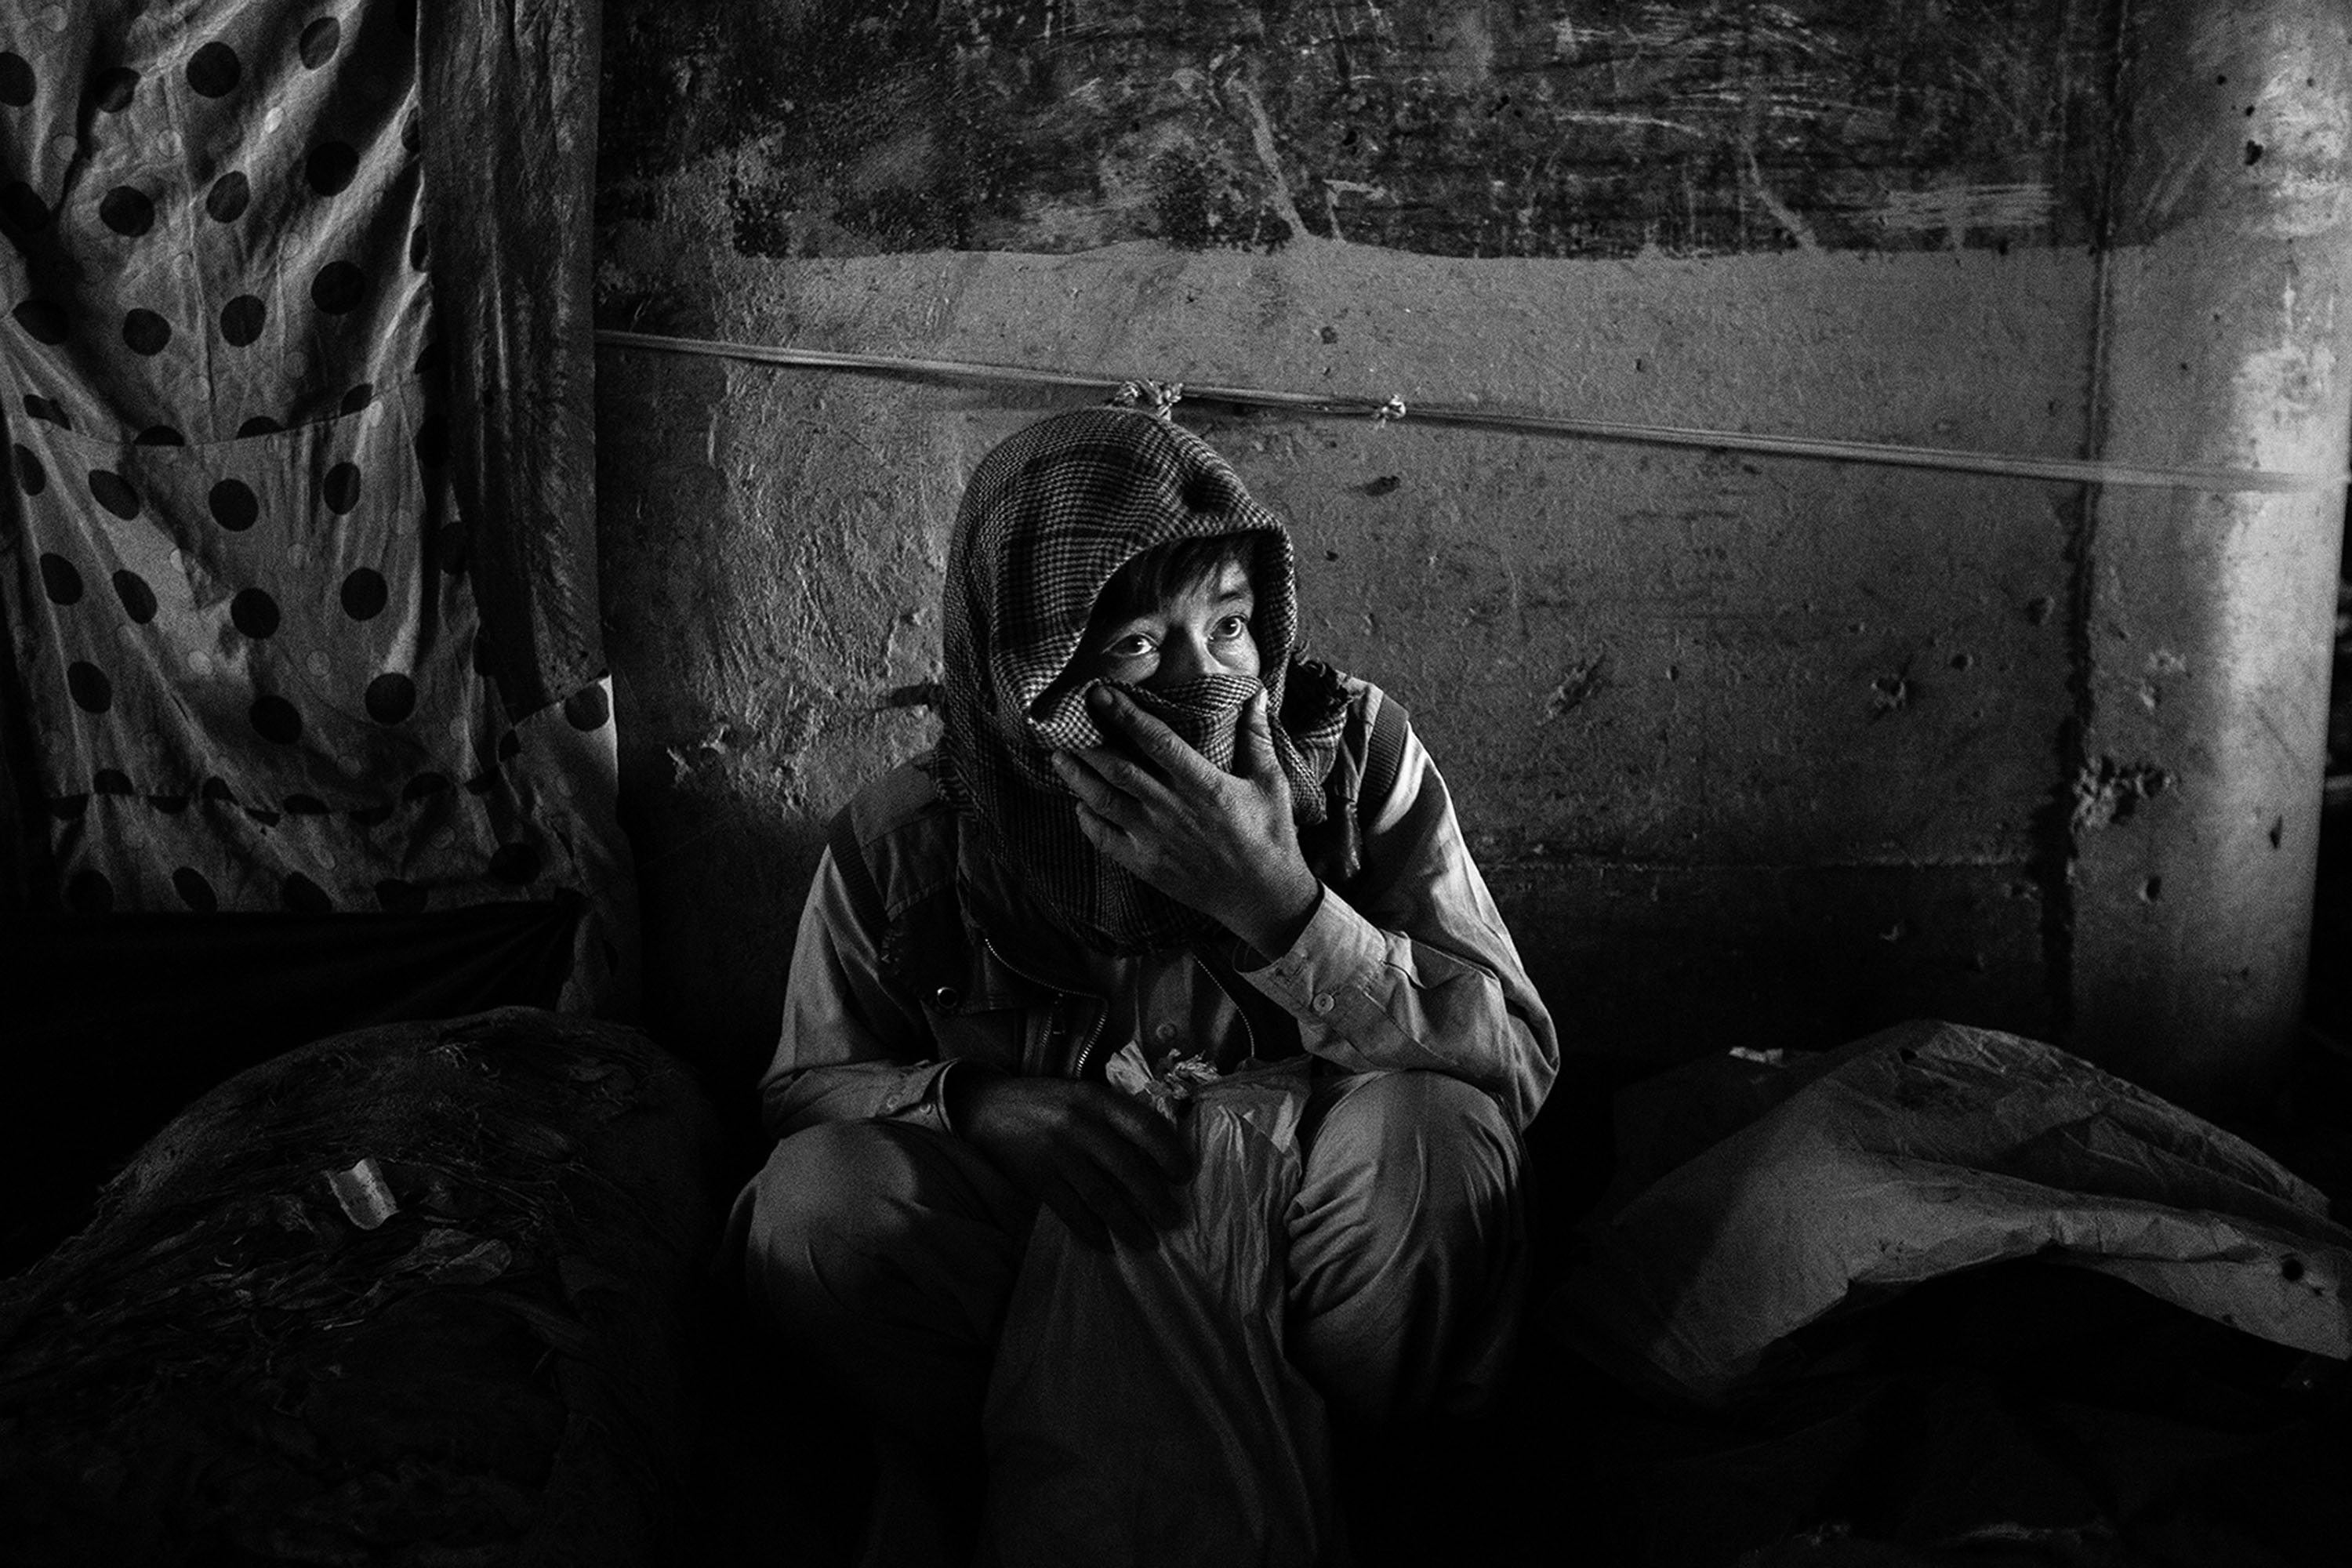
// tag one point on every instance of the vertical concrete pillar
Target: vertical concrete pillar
(2204, 619)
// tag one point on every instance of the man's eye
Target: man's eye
(1230, 626)
(1135, 644)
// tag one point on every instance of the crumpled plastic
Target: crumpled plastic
(228, 1364)
(1142, 1410)
(1920, 1151)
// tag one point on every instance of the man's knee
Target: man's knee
(822, 1202)
(852, 1222)
(1410, 1155)
(1405, 1245)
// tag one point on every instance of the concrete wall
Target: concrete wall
(1752, 749)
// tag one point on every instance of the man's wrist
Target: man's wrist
(1273, 936)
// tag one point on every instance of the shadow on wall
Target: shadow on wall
(1650, 964)
(770, 626)
(714, 987)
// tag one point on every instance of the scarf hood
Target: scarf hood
(1047, 521)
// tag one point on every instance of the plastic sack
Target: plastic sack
(1921, 1151)
(1142, 1410)
(423, 1294)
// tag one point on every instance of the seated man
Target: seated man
(1148, 821)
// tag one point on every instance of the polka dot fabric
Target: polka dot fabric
(236, 577)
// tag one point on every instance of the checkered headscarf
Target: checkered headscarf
(1045, 523)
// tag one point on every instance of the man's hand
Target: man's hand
(1104, 1160)
(1223, 843)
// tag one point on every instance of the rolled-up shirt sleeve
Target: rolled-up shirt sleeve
(851, 1049)
(1413, 968)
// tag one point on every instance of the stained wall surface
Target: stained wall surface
(1753, 749)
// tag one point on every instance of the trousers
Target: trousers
(883, 1253)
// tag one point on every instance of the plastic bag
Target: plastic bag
(421, 1293)
(1921, 1151)
(1142, 1410)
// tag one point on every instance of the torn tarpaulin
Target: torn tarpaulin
(1923, 1150)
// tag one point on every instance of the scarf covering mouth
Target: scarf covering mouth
(1047, 521)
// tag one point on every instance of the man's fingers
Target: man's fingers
(1158, 744)
(1085, 1225)
(1101, 777)
(1134, 1180)
(1107, 836)
(1106, 1163)
(1100, 831)
(1131, 1207)
(1079, 1149)
(1155, 1136)
(1258, 739)
(1082, 773)
(1097, 1118)
(1137, 1146)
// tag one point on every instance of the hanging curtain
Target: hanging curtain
(298, 564)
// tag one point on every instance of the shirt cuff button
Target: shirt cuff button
(1322, 1003)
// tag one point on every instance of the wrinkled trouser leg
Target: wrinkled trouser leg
(1407, 1246)
(885, 1255)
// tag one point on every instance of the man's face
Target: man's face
(1201, 628)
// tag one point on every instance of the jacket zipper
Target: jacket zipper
(1102, 1013)
(1102, 1016)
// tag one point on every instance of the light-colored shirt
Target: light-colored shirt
(1410, 968)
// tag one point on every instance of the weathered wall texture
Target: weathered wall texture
(1601, 128)
(2205, 619)
(1753, 749)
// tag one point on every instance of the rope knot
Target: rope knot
(1157, 397)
